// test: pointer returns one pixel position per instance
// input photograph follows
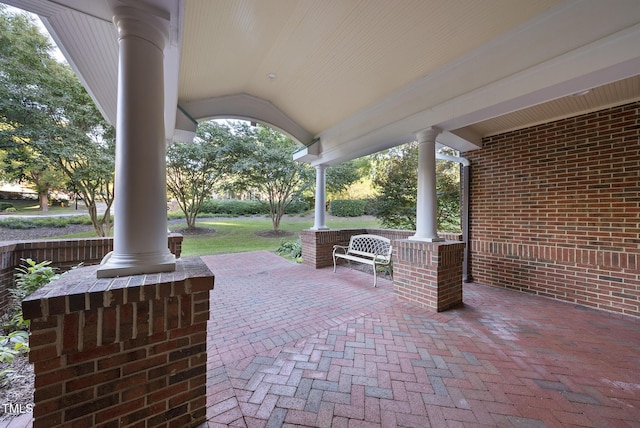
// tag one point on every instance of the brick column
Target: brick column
(121, 351)
(429, 274)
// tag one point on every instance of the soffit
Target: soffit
(616, 93)
(332, 58)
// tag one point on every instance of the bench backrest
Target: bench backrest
(370, 245)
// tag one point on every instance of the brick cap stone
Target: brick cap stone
(79, 289)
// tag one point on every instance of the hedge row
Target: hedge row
(236, 207)
(351, 207)
(5, 205)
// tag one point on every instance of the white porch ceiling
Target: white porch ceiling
(359, 76)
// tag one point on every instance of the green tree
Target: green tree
(341, 176)
(89, 163)
(24, 165)
(25, 66)
(260, 159)
(49, 122)
(193, 169)
(448, 192)
(394, 175)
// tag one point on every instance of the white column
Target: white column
(140, 228)
(321, 198)
(427, 208)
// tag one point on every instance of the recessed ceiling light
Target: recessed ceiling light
(271, 75)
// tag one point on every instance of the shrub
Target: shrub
(292, 250)
(347, 208)
(298, 206)
(32, 223)
(30, 277)
(5, 205)
(234, 207)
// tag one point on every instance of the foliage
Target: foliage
(5, 205)
(51, 133)
(260, 159)
(341, 176)
(248, 207)
(13, 344)
(291, 250)
(298, 205)
(30, 277)
(448, 192)
(32, 223)
(347, 208)
(193, 169)
(395, 177)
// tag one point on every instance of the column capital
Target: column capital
(131, 21)
(428, 134)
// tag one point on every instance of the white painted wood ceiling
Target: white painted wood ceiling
(331, 58)
(358, 76)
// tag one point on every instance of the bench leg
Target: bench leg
(334, 264)
(375, 275)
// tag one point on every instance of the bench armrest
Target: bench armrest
(343, 248)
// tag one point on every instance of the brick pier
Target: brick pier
(121, 351)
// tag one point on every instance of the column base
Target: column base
(114, 264)
(425, 239)
(320, 228)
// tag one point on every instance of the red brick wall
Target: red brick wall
(555, 210)
(127, 351)
(63, 255)
(317, 245)
(429, 274)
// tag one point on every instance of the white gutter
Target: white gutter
(458, 159)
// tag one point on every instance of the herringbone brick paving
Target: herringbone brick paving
(293, 346)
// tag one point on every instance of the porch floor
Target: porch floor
(293, 346)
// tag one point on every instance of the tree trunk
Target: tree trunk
(43, 197)
(93, 214)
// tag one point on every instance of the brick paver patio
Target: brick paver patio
(293, 346)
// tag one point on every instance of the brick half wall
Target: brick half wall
(121, 351)
(317, 245)
(63, 255)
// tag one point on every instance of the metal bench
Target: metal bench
(373, 250)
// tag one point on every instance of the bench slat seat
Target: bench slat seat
(369, 249)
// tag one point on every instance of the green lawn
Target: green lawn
(239, 234)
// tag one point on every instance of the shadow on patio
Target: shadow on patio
(289, 345)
